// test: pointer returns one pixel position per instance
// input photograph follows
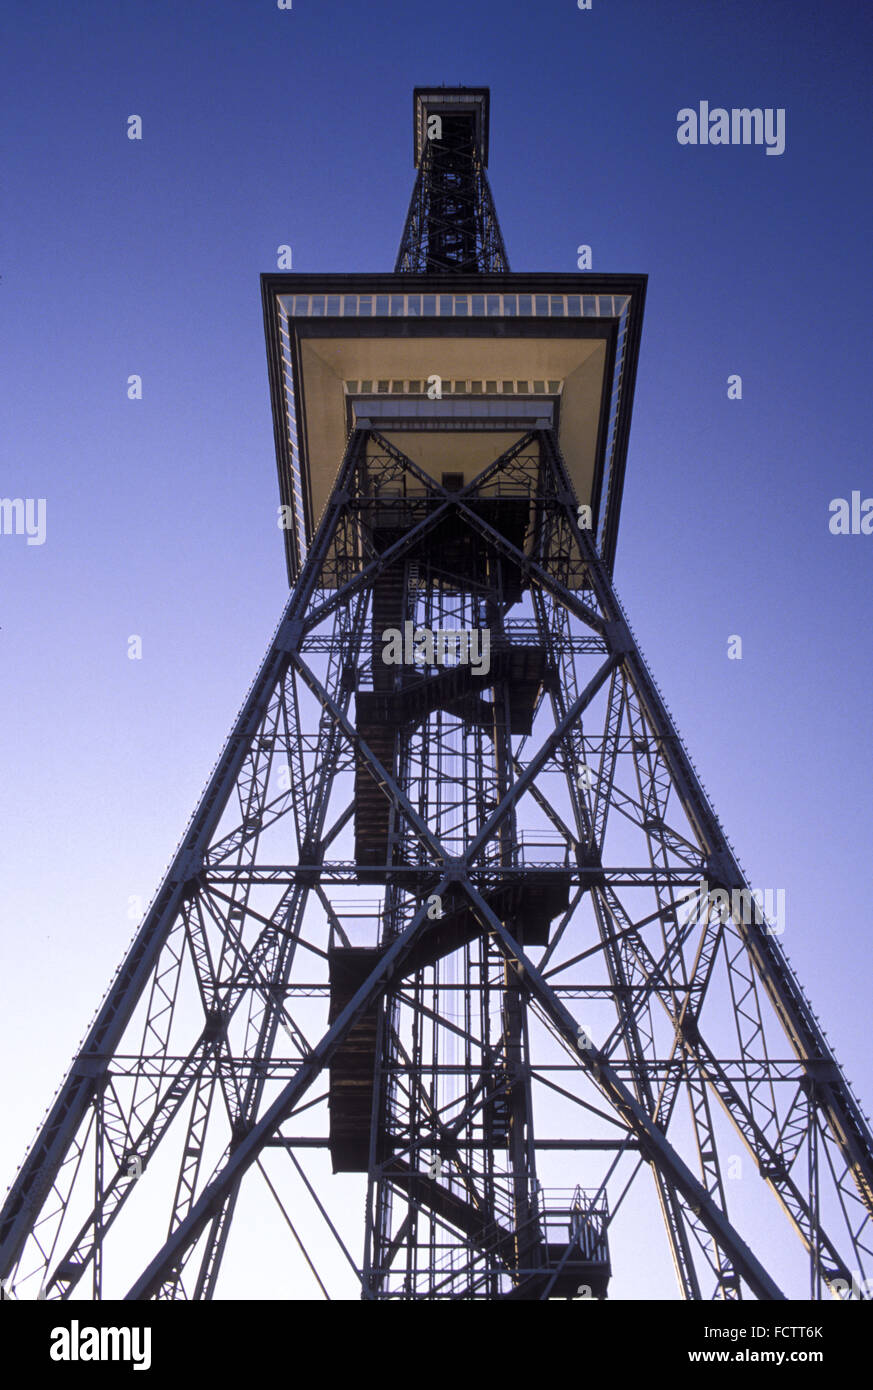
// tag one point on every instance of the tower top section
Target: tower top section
(464, 108)
(453, 358)
(451, 226)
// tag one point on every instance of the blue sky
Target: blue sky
(263, 127)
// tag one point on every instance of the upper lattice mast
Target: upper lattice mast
(451, 224)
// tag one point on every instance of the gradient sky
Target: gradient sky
(263, 127)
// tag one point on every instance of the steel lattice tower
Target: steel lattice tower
(454, 914)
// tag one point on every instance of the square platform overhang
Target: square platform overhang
(571, 340)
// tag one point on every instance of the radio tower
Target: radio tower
(454, 962)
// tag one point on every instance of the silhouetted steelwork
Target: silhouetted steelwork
(451, 224)
(470, 930)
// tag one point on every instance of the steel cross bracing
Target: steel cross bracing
(642, 1061)
(452, 224)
